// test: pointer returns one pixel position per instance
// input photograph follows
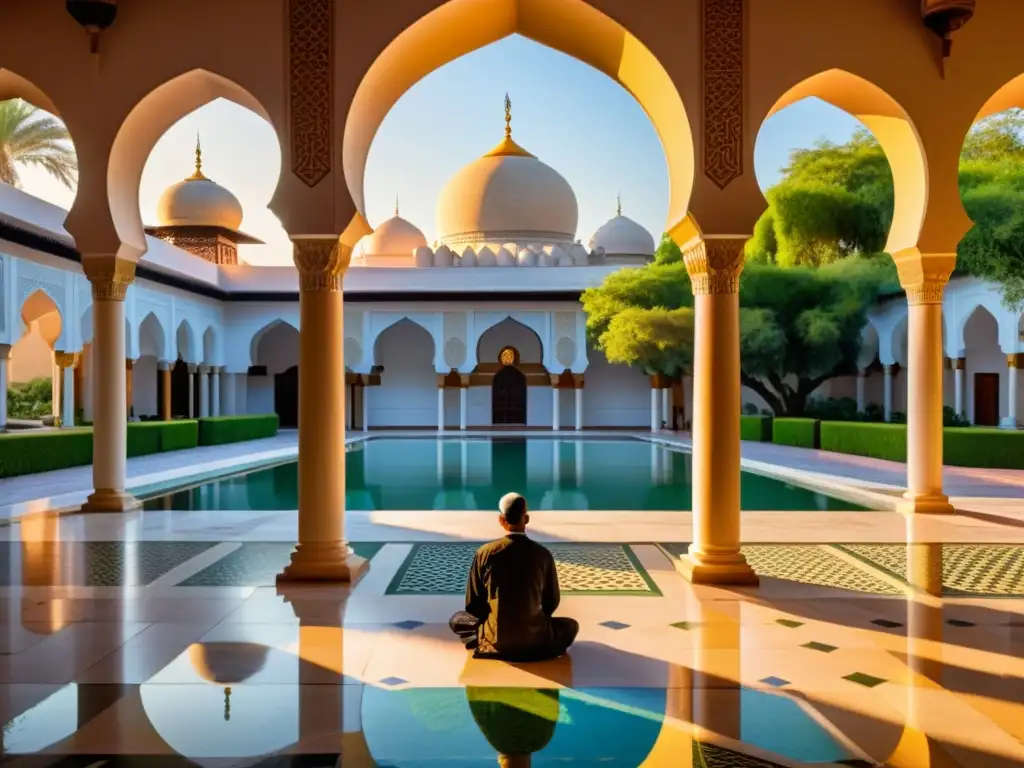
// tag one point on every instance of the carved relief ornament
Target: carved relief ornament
(722, 62)
(321, 263)
(311, 87)
(714, 264)
(109, 276)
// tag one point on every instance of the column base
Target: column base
(107, 500)
(928, 504)
(333, 562)
(731, 571)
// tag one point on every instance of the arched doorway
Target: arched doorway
(286, 397)
(508, 396)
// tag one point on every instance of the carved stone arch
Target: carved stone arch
(979, 302)
(261, 332)
(152, 326)
(188, 344)
(382, 322)
(37, 298)
(538, 323)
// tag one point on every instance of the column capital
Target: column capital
(464, 380)
(555, 380)
(66, 359)
(890, 368)
(165, 365)
(862, 373)
(714, 263)
(192, 367)
(5, 351)
(958, 363)
(577, 380)
(1016, 360)
(321, 261)
(203, 369)
(924, 276)
(109, 276)
(441, 378)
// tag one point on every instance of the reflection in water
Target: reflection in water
(515, 721)
(473, 473)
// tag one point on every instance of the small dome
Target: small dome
(505, 257)
(198, 202)
(394, 237)
(485, 257)
(621, 236)
(424, 257)
(443, 257)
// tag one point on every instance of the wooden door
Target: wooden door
(986, 399)
(508, 397)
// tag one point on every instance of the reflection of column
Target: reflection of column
(556, 416)
(578, 382)
(215, 391)
(191, 390)
(164, 367)
(714, 266)
(578, 445)
(66, 362)
(463, 397)
(862, 377)
(322, 553)
(959, 364)
(1012, 364)
(440, 402)
(924, 387)
(5, 355)
(887, 370)
(717, 693)
(110, 278)
(204, 391)
(464, 462)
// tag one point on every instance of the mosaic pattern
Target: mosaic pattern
(710, 756)
(257, 565)
(813, 565)
(583, 569)
(967, 569)
(95, 563)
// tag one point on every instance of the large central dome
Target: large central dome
(507, 196)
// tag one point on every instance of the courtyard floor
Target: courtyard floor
(159, 638)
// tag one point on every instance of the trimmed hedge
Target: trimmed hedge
(983, 447)
(879, 441)
(37, 451)
(234, 429)
(802, 433)
(756, 428)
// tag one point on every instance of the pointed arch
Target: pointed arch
(152, 337)
(275, 345)
(189, 345)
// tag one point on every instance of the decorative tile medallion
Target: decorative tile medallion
(256, 564)
(775, 682)
(614, 625)
(823, 647)
(99, 563)
(868, 681)
(583, 569)
(790, 623)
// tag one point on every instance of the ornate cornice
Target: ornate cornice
(321, 262)
(109, 276)
(714, 264)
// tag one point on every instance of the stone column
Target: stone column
(230, 394)
(129, 371)
(556, 414)
(887, 371)
(110, 278)
(5, 355)
(714, 266)
(88, 383)
(365, 402)
(164, 372)
(440, 402)
(242, 394)
(191, 390)
(463, 397)
(655, 405)
(959, 405)
(322, 553)
(862, 377)
(923, 277)
(204, 391)
(215, 391)
(578, 381)
(66, 362)
(1013, 362)
(55, 383)
(666, 406)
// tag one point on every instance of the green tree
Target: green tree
(31, 137)
(656, 340)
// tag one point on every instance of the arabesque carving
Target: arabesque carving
(321, 262)
(311, 91)
(723, 90)
(714, 264)
(109, 276)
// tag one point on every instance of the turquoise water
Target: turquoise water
(473, 473)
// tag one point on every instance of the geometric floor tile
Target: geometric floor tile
(256, 564)
(814, 565)
(583, 569)
(776, 682)
(711, 756)
(614, 625)
(823, 647)
(99, 563)
(868, 681)
(789, 623)
(986, 570)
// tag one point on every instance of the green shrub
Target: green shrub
(951, 418)
(803, 433)
(983, 447)
(147, 437)
(179, 434)
(879, 441)
(24, 453)
(234, 429)
(831, 409)
(30, 399)
(756, 428)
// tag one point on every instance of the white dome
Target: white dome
(621, 236)
(198, 202)
(507, 195)
(394, 237)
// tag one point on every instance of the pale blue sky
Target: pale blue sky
(572, 117)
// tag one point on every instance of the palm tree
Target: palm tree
(30, 136)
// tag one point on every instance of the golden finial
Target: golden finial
(508, 117)
(198, 174)
(396, 205)
(507, 147)
(618, 204)
(227, 704)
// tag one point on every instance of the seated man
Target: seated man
(511, 593)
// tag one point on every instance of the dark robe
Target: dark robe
(513, 590)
